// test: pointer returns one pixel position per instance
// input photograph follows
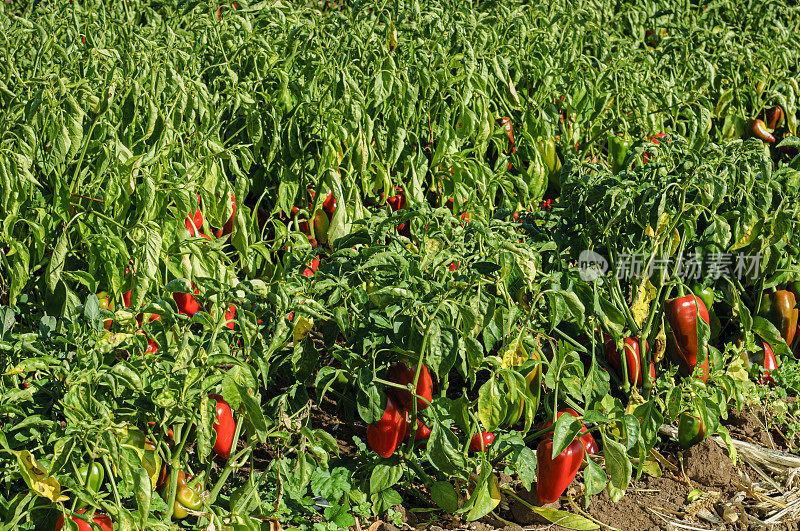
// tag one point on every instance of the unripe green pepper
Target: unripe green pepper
(617, 151)
(705, 294)
(91, 476)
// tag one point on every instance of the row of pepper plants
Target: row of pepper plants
(218, 219)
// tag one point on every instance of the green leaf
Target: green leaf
(56, 265)
(491, 404)
(617, 462)
(444, 496)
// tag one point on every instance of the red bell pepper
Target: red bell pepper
(682, 315)
(587, 439)
(102, 521)
(230, 315)
(313, 266)
(403, 374)
(481, 441)
(632, 359)
(553, 475)
(225, 427)
(385, 436)
(187, 304)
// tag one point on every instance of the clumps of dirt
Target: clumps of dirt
(709, 465)
(632, 511)
(751, 426)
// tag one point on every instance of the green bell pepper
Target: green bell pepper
(617, 151)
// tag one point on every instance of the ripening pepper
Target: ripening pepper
(553, 475)
(765, 358)
(547, 149)
(106, 304)
(588, 441)
(759, 130)
(224, 426)
(91, 476)
(774, 116)
(690, 430)
(617, 151)
(682, 315)
(779, 308)
(385, 436)
(185, 497)
(403, 374)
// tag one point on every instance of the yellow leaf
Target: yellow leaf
(302, 327)
(641, 304)
(37, 479)
(392, 37)
(513, 354)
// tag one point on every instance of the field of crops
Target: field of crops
(342, 265)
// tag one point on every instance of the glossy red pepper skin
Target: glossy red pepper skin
(632, 359)
(587, 439)
(225, 427)
(765, 359)
(187, 304)
(778, 307)
(403, 374)
(682, 337)
(481, 441)
(312, 268)
(423, 432)
(102, 521)
(230, 316)
(385, 436)
(553, 475)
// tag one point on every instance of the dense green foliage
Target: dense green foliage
(630, 119)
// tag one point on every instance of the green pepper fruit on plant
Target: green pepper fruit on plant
(91, 476)
(533, 383)
(185, 497)
(224, 426)
(707, 295)
(588, 441)
(779, 307)
(617, 151)
(682, 315)
(554, 474)
(402, 374)
(633, 360)
(101, 521)
(481, 441)
(385, 436)
(690, 430)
